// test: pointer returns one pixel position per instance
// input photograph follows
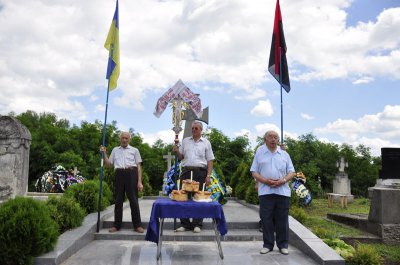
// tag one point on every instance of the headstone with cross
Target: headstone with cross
(190, 117)
(169, 158)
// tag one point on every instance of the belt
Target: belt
(195, 168)
(125, 168)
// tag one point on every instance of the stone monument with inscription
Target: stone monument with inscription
(342, 183)
(15, 141)
(385, 203)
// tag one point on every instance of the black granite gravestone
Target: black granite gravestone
(390, 163)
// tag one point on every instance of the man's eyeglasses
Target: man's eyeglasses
(195, 128)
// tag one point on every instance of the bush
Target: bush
(298, 213)
(26, 231)
(294, 199)
(323, 233)
(364, 255)
(252, 195)
(87, 195)
(147, 190)
(66, 212)
(344, 250)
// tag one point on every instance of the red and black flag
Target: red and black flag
(280, 72)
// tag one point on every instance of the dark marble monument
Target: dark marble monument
(385, 203)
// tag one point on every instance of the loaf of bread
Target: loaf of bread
(190, 185)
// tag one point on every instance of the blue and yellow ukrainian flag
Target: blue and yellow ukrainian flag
(112, 45)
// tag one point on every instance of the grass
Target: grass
(317, 220)
(391, 254)
(322, 227)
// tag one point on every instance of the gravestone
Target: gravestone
(341, 183)
(385, 203)
(15, 141)
(169, 158)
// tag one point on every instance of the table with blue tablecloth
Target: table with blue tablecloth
(166, 208)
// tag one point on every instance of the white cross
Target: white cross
(169, 158)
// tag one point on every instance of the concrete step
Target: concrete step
(169, 235)
(169, 224)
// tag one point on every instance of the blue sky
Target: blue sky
(343, 55)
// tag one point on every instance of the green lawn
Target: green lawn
(321, 226)
(318, 222)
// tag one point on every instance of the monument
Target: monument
(341, 183)
(15, 141)
(385, 203)
(383, 219)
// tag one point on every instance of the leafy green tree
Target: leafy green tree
(147, 189)
(153, 163)
(245, 180)
(228, 154)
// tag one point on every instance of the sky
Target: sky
(343, 57)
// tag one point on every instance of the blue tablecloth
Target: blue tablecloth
(166, 208)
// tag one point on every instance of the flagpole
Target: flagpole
(103, 144)
(112, 42)
(102, 160)
(280, 82)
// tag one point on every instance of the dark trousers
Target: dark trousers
(274, 212)
(126, 181)
(199, 174)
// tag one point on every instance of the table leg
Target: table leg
(160, 233)
(330, 200)
(217, 238)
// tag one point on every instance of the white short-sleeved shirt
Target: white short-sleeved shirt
(274, 165)
(125, 157)
(196, 154)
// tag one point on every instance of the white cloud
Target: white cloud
(93, 98)
(253, 94)
(307, 116)
(363, 80)
(52, 57)
(384, 124)
(166, 136)
(262, 128)
(223, 42)
(100, 108)
(262, 109)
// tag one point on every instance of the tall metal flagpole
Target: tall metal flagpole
(103, 144)
(280, 82)
(112, 45)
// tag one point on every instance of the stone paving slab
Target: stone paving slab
(120, 252)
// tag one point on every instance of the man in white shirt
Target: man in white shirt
(272, 168)
(127, 161)
(197, 156)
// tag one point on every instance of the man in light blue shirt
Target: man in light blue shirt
(272, 168)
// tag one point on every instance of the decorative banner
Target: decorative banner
(179, 91)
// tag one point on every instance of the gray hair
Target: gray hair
(199, 123)
(127, 133)
(270, 132)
